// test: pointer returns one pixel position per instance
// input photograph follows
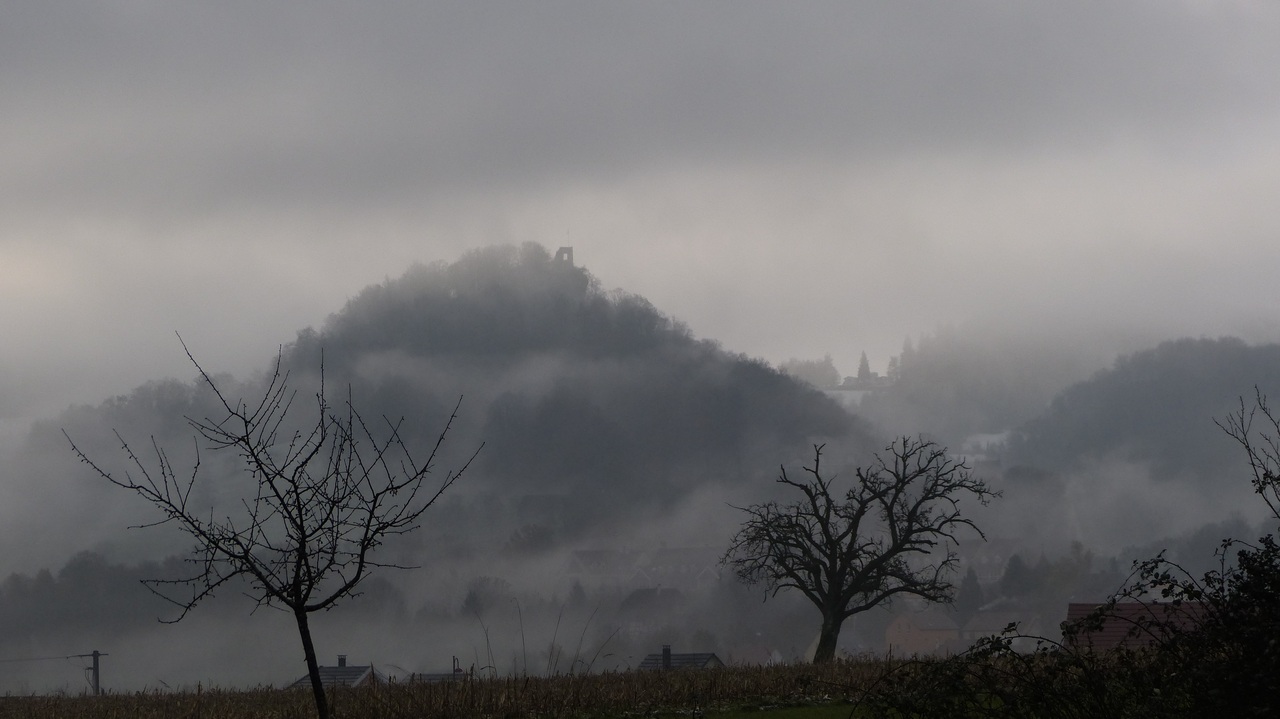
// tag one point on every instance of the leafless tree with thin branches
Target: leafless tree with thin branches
(1257, 430)
(881, 540)
(327, 495)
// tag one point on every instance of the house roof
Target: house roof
(343, 676)
(1133, 624)
(700, 660)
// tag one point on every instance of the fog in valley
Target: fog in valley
(616, 443)
(657, 253)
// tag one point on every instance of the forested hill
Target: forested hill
(499, 303)
(594, 408)
(1158, 407)
(573, 389)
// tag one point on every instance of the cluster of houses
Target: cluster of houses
(930, 632)
(1125, 624)
(358, 675)
(656, 580)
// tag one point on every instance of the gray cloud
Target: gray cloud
(789, 180)
(189, 110)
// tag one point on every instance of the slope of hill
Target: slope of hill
(1132, 457)
(596, 409)
(1158, 406)
(606, 425)
(575, 391)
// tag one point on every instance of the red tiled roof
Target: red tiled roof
(1133, 624)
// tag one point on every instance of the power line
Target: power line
(43, 659)
(95, 655)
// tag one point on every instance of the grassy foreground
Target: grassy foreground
(732, 691)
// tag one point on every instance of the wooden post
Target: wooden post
(97, 676)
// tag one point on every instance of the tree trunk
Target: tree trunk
(313, 667)
(827, 639)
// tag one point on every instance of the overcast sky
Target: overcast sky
(791, 179)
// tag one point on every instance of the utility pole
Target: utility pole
(97, 675)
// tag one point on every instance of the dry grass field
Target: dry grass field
(622, 694)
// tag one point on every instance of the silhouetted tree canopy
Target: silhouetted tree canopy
(887, 535)
(864, 368)
(499, 303)
(819, 373)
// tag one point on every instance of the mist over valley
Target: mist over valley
(654, 254)
(590, 529)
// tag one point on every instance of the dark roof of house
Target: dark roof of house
(1133, 624)
(700, 660)
(344, 676)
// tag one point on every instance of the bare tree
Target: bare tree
(1257, 429)
(881, 540)
(326, 496)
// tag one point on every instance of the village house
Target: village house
(666, 660)
(343, 675)
(1130, 625)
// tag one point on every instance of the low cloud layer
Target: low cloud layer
(1088, 178)
(792, 183)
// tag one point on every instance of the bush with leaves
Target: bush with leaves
(1206, 646)
(994, 678)
(1229, 663)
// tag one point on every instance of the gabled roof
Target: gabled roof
(1133, 624)
(701, 660)
(344, 676)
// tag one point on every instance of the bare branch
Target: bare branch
(879, 541)
(1261, 445)
(327, 496)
